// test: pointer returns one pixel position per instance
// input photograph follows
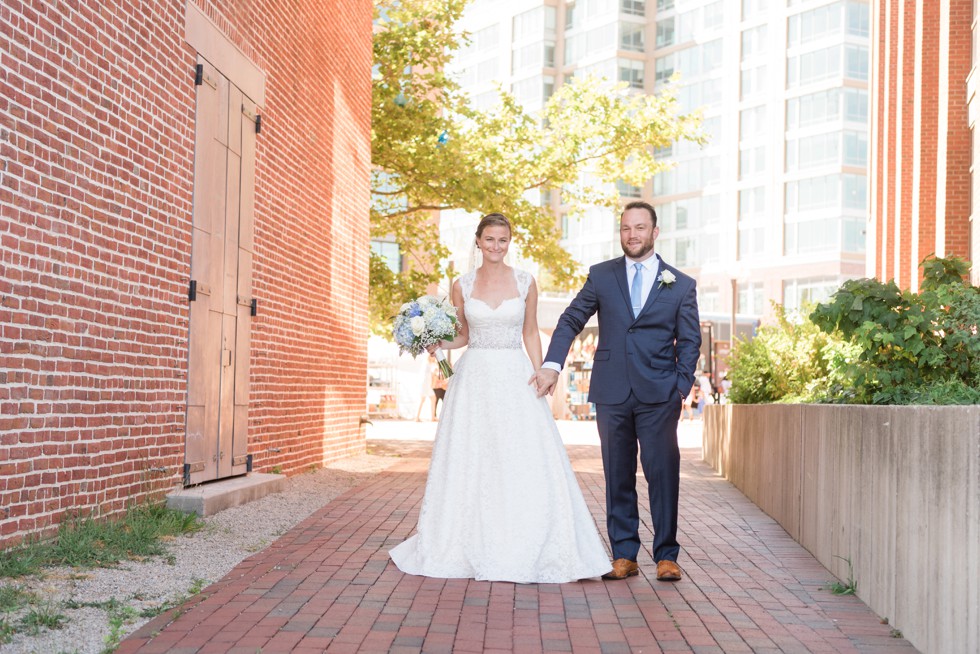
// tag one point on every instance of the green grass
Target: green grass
(85, 542)
(44, 615)
(13, 598)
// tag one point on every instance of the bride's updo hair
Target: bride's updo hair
(492, 219)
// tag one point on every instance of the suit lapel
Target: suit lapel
(655, 290)
(619, 271)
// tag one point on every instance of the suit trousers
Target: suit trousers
(651, 429)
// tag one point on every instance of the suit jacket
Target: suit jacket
(653, 355)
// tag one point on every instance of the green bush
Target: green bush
(791, 360)
(913, 348)
(871, 343)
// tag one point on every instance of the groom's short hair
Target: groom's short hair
(640, 204)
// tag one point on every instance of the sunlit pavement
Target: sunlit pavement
(328, 585)
(573, 432)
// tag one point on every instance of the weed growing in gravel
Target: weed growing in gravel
(119, 615)
(43, 614)
(13, 598)
(7, 631)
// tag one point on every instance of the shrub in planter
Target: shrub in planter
(913, 348)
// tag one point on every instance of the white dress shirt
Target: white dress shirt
(651, 266)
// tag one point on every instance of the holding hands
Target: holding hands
(544, 381)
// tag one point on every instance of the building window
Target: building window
(856, 192)
(800, 293)
(633, 7)
(708, 299)
(752, 203)
(752, 8)
(855, 148)
(665, 32)
(856, 62)
(631, 37)
(813, 193)
(631, 72)
(856, 106)
(663, 69)
(753, 42)
(751, 242)
(814, 66)
(753, 82)
(628, 190)
(752, 123)
(388, 251)
(813, 109)
(751, 162)
(751, 298)
(664, 5)
(814, 24)
(858, 19)
(855, 237)
(812, 151)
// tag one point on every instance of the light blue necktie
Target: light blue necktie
(636, 291)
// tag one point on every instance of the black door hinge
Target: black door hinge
(187, 474)
(192, 291)
(255, 307)
(258, 123)
(199, 75)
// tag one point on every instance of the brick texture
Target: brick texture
(96, 193)
(944, 180)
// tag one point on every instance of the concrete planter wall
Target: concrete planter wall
(896, 490)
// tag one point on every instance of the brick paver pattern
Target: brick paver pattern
(328, 585)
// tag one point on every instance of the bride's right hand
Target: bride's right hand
(544, 381)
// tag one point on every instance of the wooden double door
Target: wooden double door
(220, 291)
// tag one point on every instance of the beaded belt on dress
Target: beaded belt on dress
(493, 346)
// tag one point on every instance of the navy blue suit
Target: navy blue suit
(643, 368)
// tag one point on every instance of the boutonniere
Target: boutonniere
(666, 278)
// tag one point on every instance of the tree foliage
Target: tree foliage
(432, 151)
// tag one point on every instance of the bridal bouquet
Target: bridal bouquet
(423, 322)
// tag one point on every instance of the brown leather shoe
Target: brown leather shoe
(622, 568)
(668, 571)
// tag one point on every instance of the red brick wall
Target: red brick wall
(898, 53)
(958, 182)
(96, 181)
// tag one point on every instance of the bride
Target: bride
(501, 501)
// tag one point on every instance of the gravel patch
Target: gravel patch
(194, 561)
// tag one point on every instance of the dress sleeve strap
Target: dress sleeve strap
(523, 282)
(466, 284)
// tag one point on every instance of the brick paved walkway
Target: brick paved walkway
(328, 585)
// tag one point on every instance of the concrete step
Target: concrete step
(210, 498)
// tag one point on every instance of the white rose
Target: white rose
(667, 277)
(405, 307)
(418, 325)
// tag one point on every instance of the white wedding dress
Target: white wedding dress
(501, 500)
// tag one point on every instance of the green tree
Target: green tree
(432, 151)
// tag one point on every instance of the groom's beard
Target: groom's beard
(638, 250)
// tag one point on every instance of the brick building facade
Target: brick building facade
(145, 146)
(922, 133)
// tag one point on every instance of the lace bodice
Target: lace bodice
(495, 328)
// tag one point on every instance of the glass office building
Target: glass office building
(774, 206)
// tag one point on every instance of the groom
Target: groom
(649, 343)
